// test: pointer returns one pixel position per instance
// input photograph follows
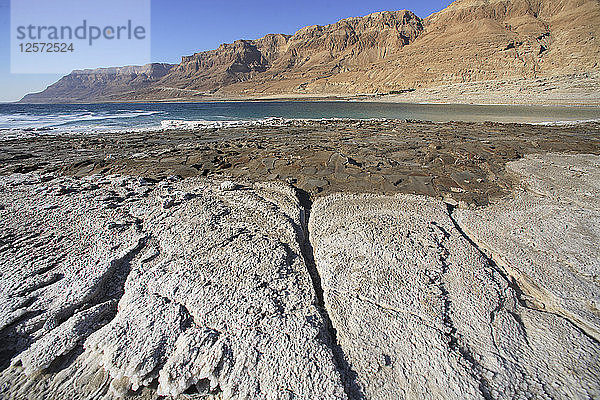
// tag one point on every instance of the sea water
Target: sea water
(56, 118)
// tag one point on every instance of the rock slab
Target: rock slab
(546, 235)
(421, 313)
(115, 287)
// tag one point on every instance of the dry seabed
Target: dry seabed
(114, 286)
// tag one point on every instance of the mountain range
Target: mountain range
(382, 53)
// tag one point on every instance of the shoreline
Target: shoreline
(172, 118)
(384, 99)
(456, 161)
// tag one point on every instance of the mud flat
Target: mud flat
(144, 284)
(455, 161)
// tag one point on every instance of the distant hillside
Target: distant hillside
(102, 84)
(469, 41)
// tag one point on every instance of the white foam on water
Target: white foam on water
(206, 124)
(175, 124)
(567, 123)
(59, 119)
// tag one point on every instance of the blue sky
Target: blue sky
(182, 27)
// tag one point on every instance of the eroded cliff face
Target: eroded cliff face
(471, 40)
(287, 62)
(280, 63)
(102, 84)
(483, 40)
(474, 41)
(210, 70)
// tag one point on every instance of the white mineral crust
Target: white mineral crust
(114, 287)
(421, 314)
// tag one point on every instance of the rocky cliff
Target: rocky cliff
(102, 84)
(469, 41)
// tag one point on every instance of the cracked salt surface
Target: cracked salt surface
(213, 293)
(421, 313)
(114, 286)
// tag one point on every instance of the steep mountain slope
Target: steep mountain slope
(102, 84)
(469, 41)
(230, 63)
(279, 63)
(478, 41)
(494, 39)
